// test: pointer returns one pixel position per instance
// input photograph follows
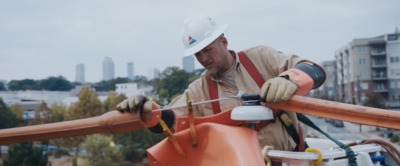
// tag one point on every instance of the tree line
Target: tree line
(62, 84)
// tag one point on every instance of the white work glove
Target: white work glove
(135, 104)
(278, 89)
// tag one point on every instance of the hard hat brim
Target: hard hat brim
(204, 43)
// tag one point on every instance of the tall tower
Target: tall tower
(188, 63)
(152, 73)
(130, 70)
(108, 69)
(80, 73)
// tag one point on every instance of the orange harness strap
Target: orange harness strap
(213, 92)
(251, 69)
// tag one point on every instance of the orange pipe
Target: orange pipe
(341, 111)
(111, 122)
(114, 122)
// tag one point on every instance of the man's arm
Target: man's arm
(299, 80)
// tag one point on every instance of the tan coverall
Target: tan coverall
(267, 61)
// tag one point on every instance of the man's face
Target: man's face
(214, 56)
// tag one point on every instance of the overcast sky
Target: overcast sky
(43, 38)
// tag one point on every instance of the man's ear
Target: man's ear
(224, 41)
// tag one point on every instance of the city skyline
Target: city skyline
(48, 38)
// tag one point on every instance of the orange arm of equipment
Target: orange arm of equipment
(111, 122)
(340, 111)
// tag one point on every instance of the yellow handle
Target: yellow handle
(265, 154)
(319, 161)
(171, 137)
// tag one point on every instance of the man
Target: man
(227, 70)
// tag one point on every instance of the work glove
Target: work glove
(278, 89)
(136, 104)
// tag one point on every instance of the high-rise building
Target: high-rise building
(370, 65)
(188, 63)
(152, 73)
(80, 73)
(130, 70)
(108, 69)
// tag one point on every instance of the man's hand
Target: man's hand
(135, 104)
(278, 89)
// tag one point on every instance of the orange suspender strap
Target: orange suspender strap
(251, 69)
(301, 147)
(256, 75)
(213, 92)
(248, 65)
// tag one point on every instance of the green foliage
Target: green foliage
(140, 79)
(2, 86)
(375, 100)
(112, 101)
(395, 138)
(7, 118)
(51, 84)
(74, 161)
(24, 154)
(110, 84)
(25, 84)
(102, 150)
(172, 80)
(58, 111)
(88, 106)
(59, 151)
(134, 144)
(55, 84)
(42, 115)
(17, 110)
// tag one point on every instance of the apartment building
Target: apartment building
(328, 90)
(370, 65)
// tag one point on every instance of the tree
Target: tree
(52, 84)
(2, 86)
(172, 80)
(55, 84)
(110, 84)
(112, 101)
(17, 110)
(375, 100)
(118, 80)
(101, 150)
(7, 118)
(43, 115)
(26, 84)
(25, 154)
(88, 106)
(135, 143)
(58, 112)
(140, 79)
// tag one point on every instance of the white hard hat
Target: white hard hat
(199, 31)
